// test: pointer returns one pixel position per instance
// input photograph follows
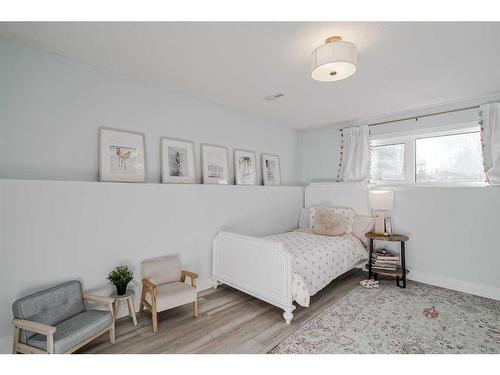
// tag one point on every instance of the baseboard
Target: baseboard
(480, 290)
(455, 284)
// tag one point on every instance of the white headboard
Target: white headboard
(338, 194)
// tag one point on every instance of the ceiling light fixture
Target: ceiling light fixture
(334, 60)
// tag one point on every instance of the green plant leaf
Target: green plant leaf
(121, 275)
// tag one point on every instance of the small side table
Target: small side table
(129, 296)
(401, 270)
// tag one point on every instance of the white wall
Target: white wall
(52, 231)
(51, 108)
(453, 230)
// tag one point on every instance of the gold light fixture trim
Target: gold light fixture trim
(333, 39)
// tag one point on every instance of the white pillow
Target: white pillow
(304, 230)
(304, 219)
(347, 212)
(362, 225)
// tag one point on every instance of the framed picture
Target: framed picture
(215, 164)
(245, 167)
(121, 156)
(271, 169)
(177, 161)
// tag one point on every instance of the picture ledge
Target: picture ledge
(429, 185)
(17, 180)
(406, 185)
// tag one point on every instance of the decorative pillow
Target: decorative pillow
(304, 219)
(361, 225)
(347, 212)
(328, 223)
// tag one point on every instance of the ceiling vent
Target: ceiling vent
(273, 97)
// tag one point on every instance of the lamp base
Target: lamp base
(380, 223)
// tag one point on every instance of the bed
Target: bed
(291, 266)
(286, 267)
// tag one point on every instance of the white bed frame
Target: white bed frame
(238, 262)
(238, 259)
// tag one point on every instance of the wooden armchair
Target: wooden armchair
(56, 320)
(164, 287)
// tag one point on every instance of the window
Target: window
(388, 162)
(449, 158)
(447, 155)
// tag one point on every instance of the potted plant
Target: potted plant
(120, 277)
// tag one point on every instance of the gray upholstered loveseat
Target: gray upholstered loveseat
(56, 320)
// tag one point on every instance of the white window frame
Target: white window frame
(409, 138)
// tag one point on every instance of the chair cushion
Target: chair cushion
(162, 270)
(50, 306)
(174, 294)
(74, 330)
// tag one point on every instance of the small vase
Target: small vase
(121, 289)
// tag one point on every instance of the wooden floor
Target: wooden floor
(230, 322)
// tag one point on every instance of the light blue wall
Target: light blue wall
(51, 108)
(452, 232)
(320, 154)
(50, 111)
(320, 147)
(54, 231)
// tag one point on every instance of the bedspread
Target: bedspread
(317, 260)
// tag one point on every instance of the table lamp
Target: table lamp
(380, 201)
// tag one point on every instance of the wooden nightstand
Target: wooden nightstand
(401, 271)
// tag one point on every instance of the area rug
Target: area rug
(418, 319)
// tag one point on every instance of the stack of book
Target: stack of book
(384, 260)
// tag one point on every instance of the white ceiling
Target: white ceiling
(401, 66)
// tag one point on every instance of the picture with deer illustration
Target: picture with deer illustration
(121, 155)
(122, 158)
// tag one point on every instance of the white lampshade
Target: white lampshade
(381, 199)
(334, 60)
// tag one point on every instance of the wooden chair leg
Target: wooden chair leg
(112, 331)
(154, 317)
(112, 337)
(154, 313)
(17, 332)
(143, 297)
(50, 343)
(195, 308)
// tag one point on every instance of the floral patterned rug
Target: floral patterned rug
(418, 319)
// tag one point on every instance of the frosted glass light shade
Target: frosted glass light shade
(381, 199)
(334, 61)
